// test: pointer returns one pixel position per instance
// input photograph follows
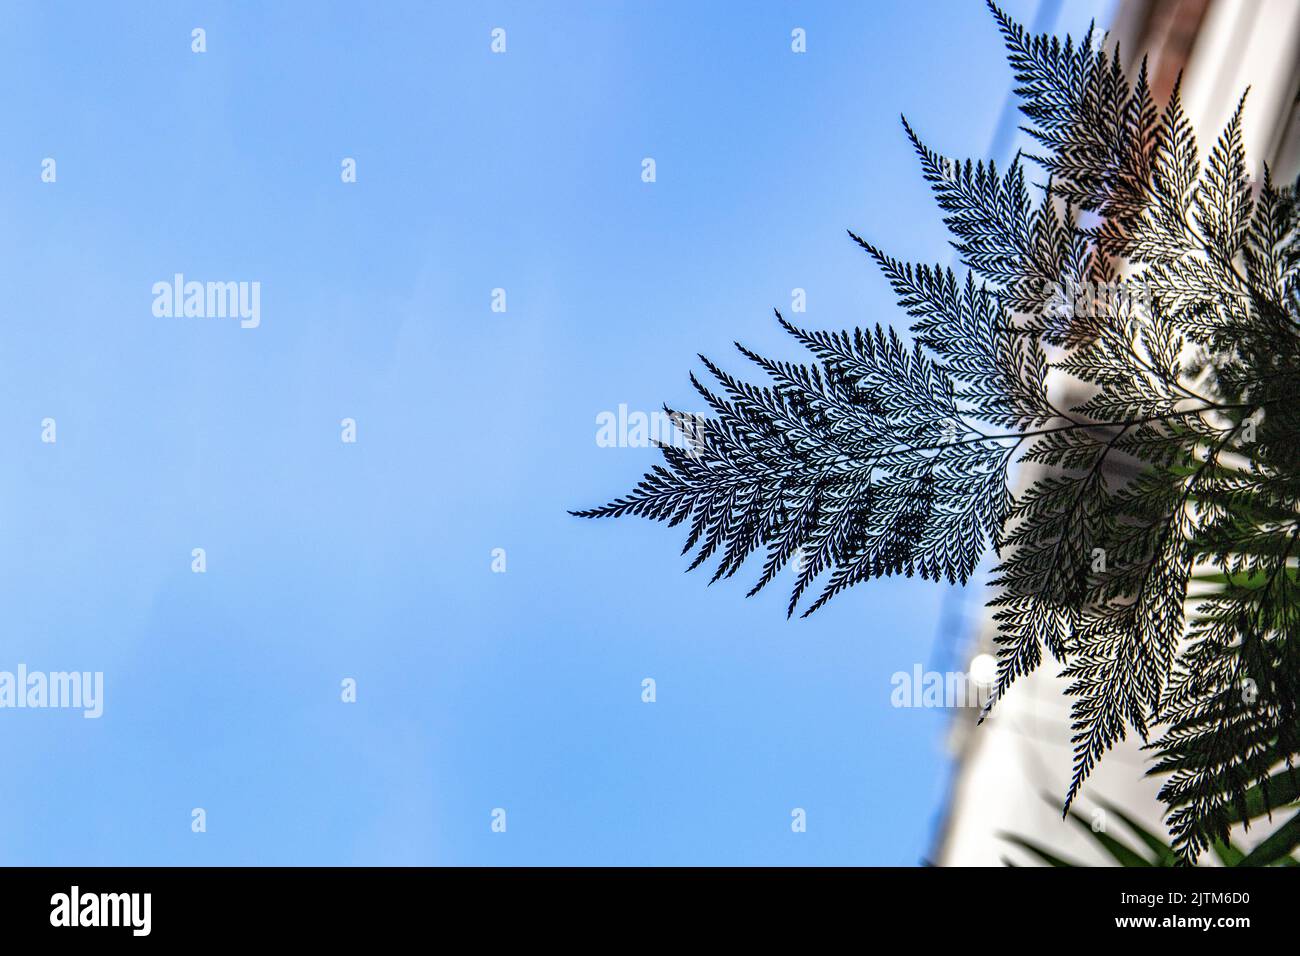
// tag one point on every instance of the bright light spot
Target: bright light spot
(983, 669)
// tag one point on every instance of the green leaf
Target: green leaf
(1123, 855)
(1277, 845)
(1046, 856)
(1282, 788)
(1165, 855)
(1228, 854)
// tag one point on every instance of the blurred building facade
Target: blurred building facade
(1012, 771)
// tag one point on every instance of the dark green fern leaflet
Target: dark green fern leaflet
(1153, 552)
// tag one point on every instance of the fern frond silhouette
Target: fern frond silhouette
(1154, 554)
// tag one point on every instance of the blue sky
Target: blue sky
(476, 429)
